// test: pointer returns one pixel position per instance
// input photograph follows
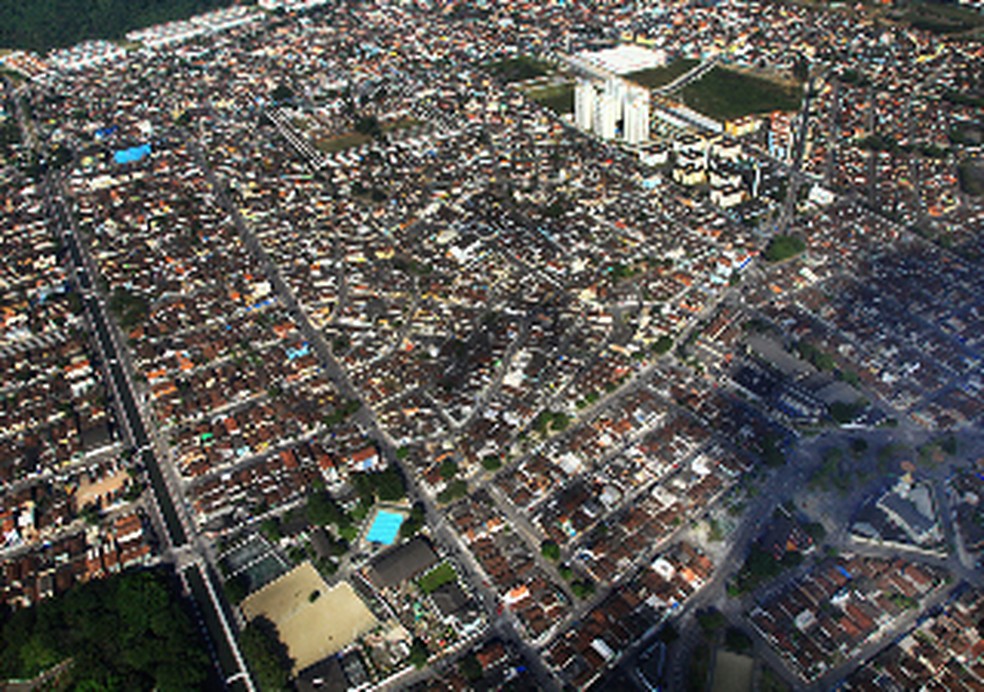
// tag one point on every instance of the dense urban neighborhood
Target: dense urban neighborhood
(490, 345)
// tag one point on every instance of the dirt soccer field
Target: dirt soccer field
(312, 627)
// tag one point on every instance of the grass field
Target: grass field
(437, 577)
(311, 626)
(724, 94)
(557, 97)
(656, 77)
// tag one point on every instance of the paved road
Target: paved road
(183, 547)
(443, 535)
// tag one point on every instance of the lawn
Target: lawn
(655, 77)
(724, 94)
(437, 577)
(557, 97)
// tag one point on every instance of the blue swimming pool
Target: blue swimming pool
(385, 527)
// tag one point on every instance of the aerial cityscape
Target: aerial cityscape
(490, 345)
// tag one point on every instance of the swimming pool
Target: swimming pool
(385, 527)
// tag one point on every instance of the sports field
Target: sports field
(312, 627)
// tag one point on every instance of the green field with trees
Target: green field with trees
(725, 94)
(782, 247)
(127, 632)
(41, 25)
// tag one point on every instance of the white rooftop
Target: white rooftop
(624, 59)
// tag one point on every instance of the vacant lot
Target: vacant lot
(330, 145)
(656, 77)
(732, 673)
(313, 620)
(724, 94)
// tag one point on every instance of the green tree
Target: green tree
(470, 668)
(550, 550)
(267, 656)
(492, 462)
(449, 469)
(418, 653)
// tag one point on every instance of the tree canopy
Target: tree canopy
(44, 24)
(126, 632)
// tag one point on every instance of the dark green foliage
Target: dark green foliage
(583, 588)
(492, 462)
(737, 641)
(772, 453)
(384, 485)
(43, 24)
(131, 310)
(369, 126)
(783, 247)
(235, 590)
(454, 490)
(342, 412)
(816, 531)
(470, 668)
(282, 93)
(418, 653)
(711, 620)
(858, 446)
(322, 510)
(760, 566)
(819, 359)
(550, 550)
(844, 413)
(449, 469)
(266, 655)
(518, 69)
(271, 529)
(551, 420)
(127, 632)
(663, 344)
(668, 634)
(413, 523)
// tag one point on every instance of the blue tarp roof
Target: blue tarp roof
(132, 154)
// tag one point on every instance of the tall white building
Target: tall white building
(606, 112)
(635, 129)
(584, 104)
(601, 107)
